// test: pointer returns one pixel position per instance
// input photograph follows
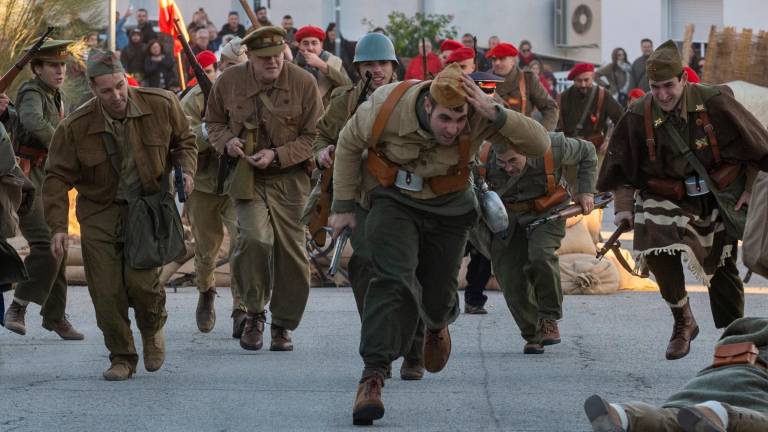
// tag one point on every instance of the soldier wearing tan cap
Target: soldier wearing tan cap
(209, 213)
(115, 149)
(420, 138)
(263, 113)
(40, 108)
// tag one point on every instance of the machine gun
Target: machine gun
(601, 200)
(12, 73)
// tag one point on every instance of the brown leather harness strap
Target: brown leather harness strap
(482, 155)
(549, 171)
(599, 110)
(648, 117)
(710, 130)
(523, 94)
(386, 111)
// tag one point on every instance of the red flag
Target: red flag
(169, 11)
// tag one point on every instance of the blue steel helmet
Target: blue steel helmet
(374, 47)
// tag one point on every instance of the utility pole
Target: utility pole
(112, 24)
(337, 13)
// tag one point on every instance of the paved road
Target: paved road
(611, 344)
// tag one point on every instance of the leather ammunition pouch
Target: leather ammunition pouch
(556, 193)
(381, 168)
(725, 174)
(667, 188)
(737, 354)
(31, 157)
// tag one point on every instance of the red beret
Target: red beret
(131, 81)
(693, 77)
(460, 54)
(636, 93)
(450, 45)
(310, 31)
(502, 50)
(206, 58)
(579, 69)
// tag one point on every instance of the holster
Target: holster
(381, 168)
(546, 202)
(450, 183)
(667, 188)
(725, 174)
(734, 354)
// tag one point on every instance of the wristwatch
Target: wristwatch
(275, 160)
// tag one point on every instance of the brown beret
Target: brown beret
(446, 88)
(664, 63)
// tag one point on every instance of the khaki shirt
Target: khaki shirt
(290, 121)
(78, 156)
(205, 177)
(537, 97)
(405, 143)
(40, 109)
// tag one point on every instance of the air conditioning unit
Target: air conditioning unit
(577, 23)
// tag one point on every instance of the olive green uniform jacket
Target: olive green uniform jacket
(536, 97)
(572, 105)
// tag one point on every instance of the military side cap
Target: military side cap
(103, 63)
(446, 88)
(52, 50)
(664, 63)
(265, 41)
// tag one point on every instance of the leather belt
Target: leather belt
(518, 207)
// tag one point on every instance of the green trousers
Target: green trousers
(115, 287)
(209, 214)
(270, 260)
(47, 283)
(361, 272)
(416, 265)
(528, 272)
(726, 290)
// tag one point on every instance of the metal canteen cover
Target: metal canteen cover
(494, 212)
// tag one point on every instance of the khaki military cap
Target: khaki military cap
(103, 63)
(664, 63)
(446, 88)
(233, 50)
(53, 51)
(265, 41)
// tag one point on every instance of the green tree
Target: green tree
(406, 32)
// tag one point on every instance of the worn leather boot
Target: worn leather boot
(154, 350)
(684, 331)
(368, 405)
(533, 348)
(281, 339)
(63, 328)
(118, 371)
(437, 349)
(14, 318)
(702, 419)
(602, 415)
(238, 323)
(253, 331)
(412, 369)
(550, 332)
(205, 313)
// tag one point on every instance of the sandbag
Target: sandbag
(584, 274)
(577, 240)
(594, 223)
(75, 255)
(755, 245)
(76, 275)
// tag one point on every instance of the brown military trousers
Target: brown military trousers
(208, 215)
(115, 287)
(47, 284)
(271, 264)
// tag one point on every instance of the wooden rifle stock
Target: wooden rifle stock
(202, 79)
(601, 200)
(13, 72)
(251, 16)
(613, 239)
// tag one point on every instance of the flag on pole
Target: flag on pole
(168, 11)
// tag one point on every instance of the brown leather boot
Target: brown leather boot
(412, 370)
(368, 405)
(63, 328)
(281, 339)
(602, 415)
(253, 332)
(14, 318)
(533, 348)
(437, 349)
(118, 371)
(550, 332)
(703, 419)
(205, 315)
(238, 323)
(684, 331)
(154, 350)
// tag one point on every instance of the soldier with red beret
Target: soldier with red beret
(521, 90)
(465, 57)
(327, 69)
(447, 47)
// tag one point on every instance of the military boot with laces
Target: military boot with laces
(368, 405)
(437, 349)
(281, 339)
(63, 328)
(550, 333)
(684, 332)
(205, 315)
(253, 332)
(14, 318)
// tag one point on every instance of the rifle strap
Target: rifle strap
(703, 120)
(616, 249)
(549, 171)
(386, 111)
(599, 108)
(650, 142)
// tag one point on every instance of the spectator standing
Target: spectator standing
(290, 32)
(616, 76)
(144, 26)
(232, 26)
(159, 68)
(132, 57)
(213, 37)
(261, 16)
(121, 37)
(639, 78)
(416, 65)
(482, 63)
(199, 21)
(538, 70)
(526, 55)
(202, 41)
